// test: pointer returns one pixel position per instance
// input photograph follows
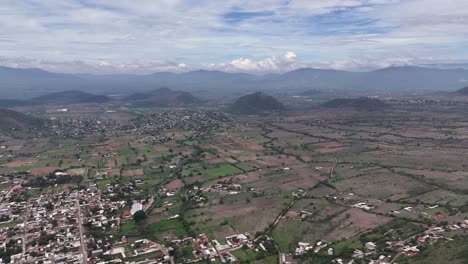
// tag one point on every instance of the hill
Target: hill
(463, 91)
(13, 120)
(27, 83)
(165, 97)
(69, 97)
(361, 103)
(255, 103)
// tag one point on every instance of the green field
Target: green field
(171, 228)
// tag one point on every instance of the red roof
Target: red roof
(127, 213)
(441, 216)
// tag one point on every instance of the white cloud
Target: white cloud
(274, 64)
(68, 35)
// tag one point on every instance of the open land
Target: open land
(305, 186)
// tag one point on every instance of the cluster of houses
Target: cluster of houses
(198, 121)
(43, 229)
(303, 247)
(203, 249)
(224, 188)
(102, 215)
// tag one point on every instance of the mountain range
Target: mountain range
(28, 83)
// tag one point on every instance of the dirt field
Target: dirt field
(43, 170)
(175, 184)
(136, 172)
(353, 222)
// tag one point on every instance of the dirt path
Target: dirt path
(150, 203)
(332, 177)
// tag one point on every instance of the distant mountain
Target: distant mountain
(255, 103)
(361, 103)
(69, 97)
(463, 91)
(27, 83)
(165, 97)
(13, 120)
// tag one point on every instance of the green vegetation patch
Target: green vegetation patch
(167, 228)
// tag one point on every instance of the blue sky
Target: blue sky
(261, 36)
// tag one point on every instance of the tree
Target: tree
(139, 216)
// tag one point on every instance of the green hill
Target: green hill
(256, 103)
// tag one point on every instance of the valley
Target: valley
(310, 184)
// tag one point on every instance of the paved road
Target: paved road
(23, 234)
(80, 223)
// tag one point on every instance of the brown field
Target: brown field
(43, 170)
(136, 172)
(175, 184)
(353, 222)
(15, 164)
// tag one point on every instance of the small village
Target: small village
(73, 227)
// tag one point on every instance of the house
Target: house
(411, 251)
(127, 215)
(136, 207)
(371, 246)
(441, 217)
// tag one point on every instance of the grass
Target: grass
(222, 170)
(215, 170)
(161, 229)
(128, 228)
(245, 167)
(245, 256)
(345, 246)
(152, 255)
(270, 260)
(187, 252)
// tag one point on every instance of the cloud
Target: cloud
(274, 64)
(95, 67)
(232, 35)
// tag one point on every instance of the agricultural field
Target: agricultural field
(341, 179)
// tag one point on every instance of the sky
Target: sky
(254, 36)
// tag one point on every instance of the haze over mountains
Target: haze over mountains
(57, 98)
(70, 97)
(28, 83)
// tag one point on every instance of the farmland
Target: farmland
(311, 176)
